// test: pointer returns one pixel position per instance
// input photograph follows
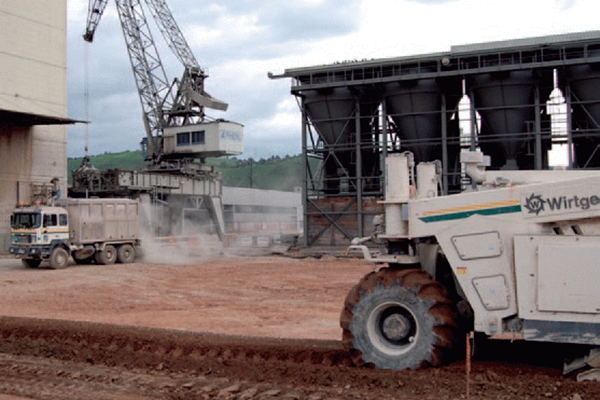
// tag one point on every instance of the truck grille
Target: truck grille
(23, 238)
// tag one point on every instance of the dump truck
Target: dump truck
(515, 256)
(104, 231)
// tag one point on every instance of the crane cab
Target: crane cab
(206, 139)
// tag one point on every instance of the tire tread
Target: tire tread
(426, 289)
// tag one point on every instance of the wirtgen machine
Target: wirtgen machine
(517, 255)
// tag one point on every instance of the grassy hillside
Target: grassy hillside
(275, 173)
(127, 160)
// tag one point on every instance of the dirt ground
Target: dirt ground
(228, 327)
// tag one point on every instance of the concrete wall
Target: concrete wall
(33, 80)
(255, 211)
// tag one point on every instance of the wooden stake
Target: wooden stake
(470, 335)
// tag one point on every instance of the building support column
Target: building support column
(569, 127)
(444, 147)
(305, 165)
(383, 142)
(473, 143)
(538, 158)
(358, 172)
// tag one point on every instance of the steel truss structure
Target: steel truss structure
(354, 113)
(164, 103)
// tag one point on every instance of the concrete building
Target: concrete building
(33, 101)
(255, 217)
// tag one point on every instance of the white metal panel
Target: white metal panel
(528, 267)
(430, 216)
(397, 179)
(567, 278)
(562, 200)
(97, 220)
(577, 198)
(473, 275)
(479, 245)
(493, 292)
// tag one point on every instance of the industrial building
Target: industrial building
(261, 217)
(33, 102)
(356, 112)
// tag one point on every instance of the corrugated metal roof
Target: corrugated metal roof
(517, 44)
(525, 42)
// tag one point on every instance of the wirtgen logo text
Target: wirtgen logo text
(536, 203)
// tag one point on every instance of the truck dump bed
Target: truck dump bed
(98, 220)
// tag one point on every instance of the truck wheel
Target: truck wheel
(59, 258)
(126, 254)
(397, 319)
(107, 256)
(30, 262)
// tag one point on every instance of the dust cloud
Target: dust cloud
(181, 249)
(173, 248)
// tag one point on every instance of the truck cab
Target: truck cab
(36, 231)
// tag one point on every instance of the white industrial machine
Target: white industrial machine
(516, 255)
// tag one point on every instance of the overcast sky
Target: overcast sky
(239, 41)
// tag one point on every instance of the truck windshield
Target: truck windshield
(25, 220)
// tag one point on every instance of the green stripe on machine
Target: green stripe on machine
(466, 214)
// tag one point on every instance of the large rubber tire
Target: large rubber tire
(397, 319)
(59, 258)
(30, 262)
(126, 254)
(107, 256)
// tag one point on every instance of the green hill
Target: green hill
(275, 173)
(127, 160)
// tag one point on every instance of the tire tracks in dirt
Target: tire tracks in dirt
(196, 357)
(49, 359)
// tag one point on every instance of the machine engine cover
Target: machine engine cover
(557, 277)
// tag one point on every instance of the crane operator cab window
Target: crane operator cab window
(187, 138)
